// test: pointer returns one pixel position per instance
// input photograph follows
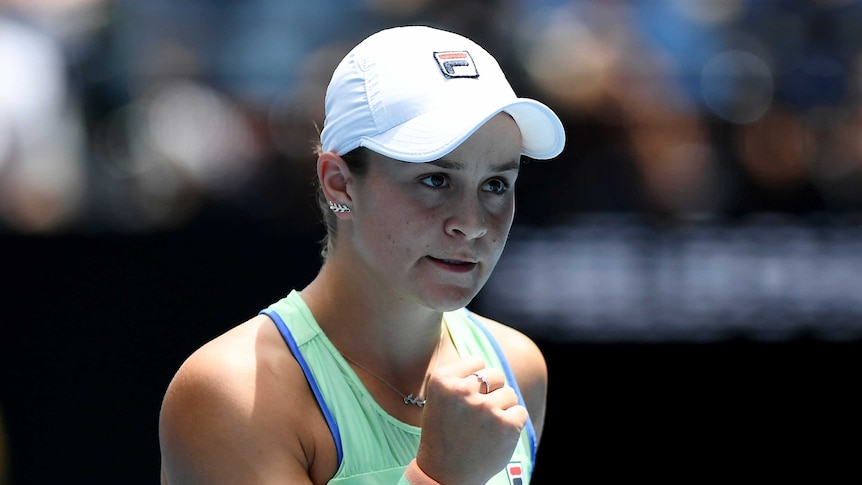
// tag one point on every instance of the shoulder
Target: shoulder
(224, 413)
(525, 357)
(224, 368)
(527, 362)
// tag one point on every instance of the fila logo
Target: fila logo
(516, 473)
(456, 64)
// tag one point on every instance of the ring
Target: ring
(484, 380)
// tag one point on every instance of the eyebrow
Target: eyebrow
(453, 165)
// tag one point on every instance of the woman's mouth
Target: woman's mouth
(454, 265)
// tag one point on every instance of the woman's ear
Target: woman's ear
(334, 175)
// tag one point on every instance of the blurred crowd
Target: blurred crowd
(616, 278)
(135, 116)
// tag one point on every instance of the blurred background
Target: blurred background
(691, 264)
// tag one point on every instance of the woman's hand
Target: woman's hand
(469, 427)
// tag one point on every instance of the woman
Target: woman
(376, 372)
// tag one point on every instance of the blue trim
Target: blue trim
(510, 377)
(294, 349)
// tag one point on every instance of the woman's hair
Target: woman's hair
(357, 161)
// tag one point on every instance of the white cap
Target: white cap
(415, 93)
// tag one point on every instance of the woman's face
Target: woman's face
(433, 232)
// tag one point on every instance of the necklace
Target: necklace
(409, 398)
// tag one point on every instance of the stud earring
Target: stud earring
(334, 207)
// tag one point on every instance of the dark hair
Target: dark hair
(357, 161)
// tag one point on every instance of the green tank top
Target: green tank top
(374, 447)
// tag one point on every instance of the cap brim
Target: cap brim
(432, 135)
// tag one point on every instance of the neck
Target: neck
(365, 324)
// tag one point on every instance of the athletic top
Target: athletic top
(374, 447)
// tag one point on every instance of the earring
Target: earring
(338, 207)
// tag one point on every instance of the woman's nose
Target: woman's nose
(469, 219)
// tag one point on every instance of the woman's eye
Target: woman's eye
(436, 181)
(496, 186)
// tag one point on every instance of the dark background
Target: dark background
(691, 265)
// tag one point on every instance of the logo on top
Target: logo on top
(456, 64)
(516, 473)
